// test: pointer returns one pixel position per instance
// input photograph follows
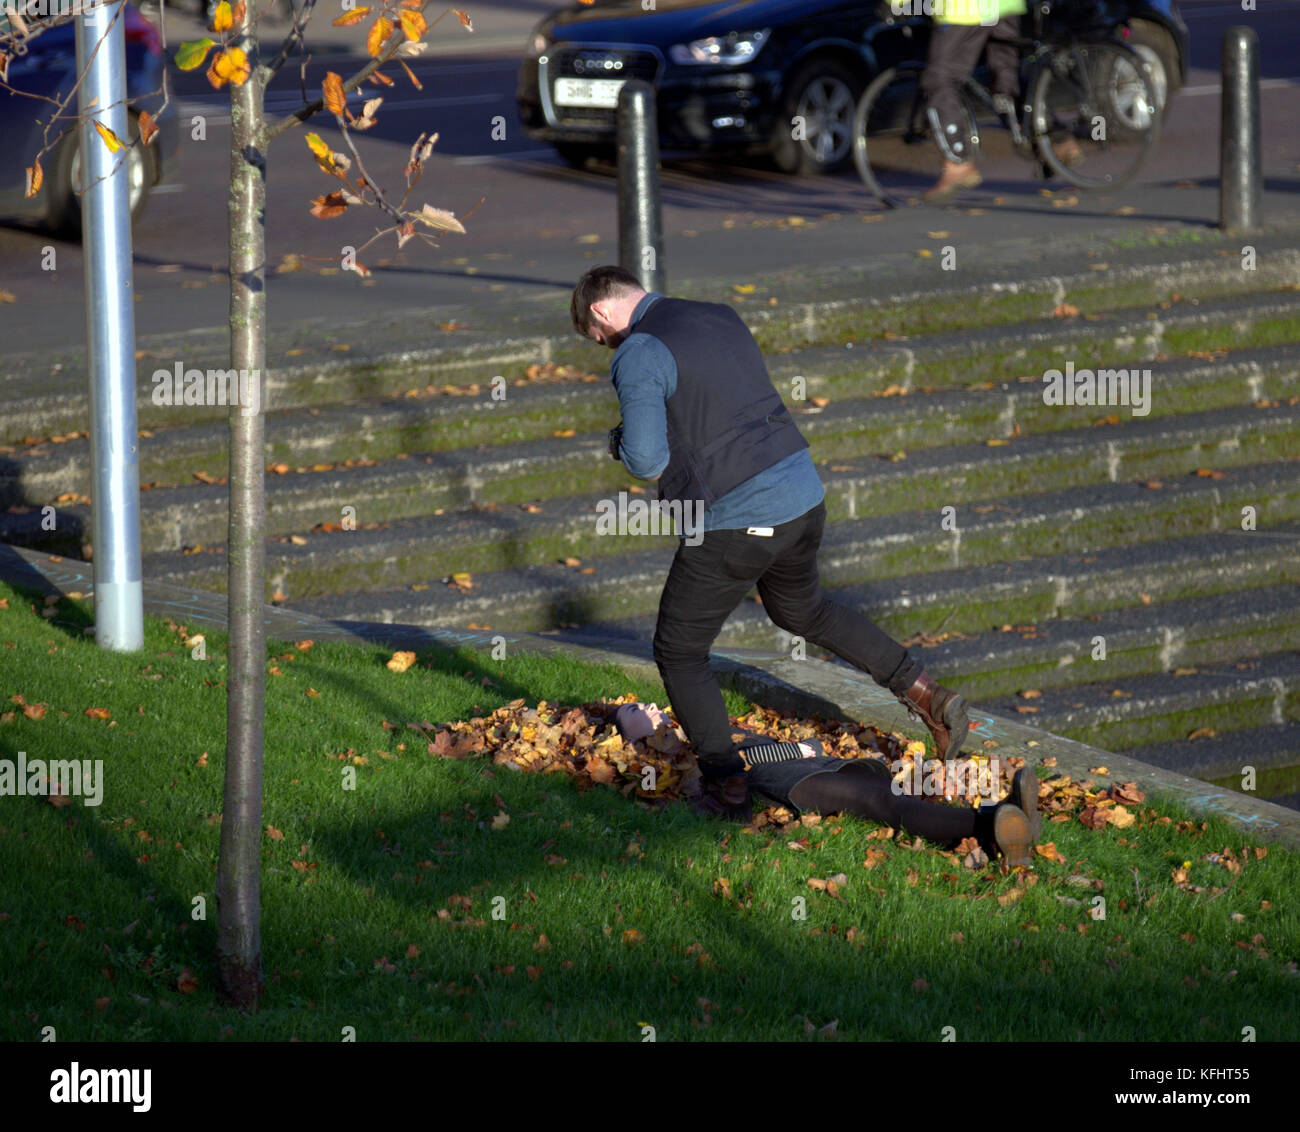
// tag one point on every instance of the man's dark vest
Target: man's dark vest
(726, 421)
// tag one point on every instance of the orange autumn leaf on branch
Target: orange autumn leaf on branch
(35, 179)
(327, 207)
(349, 18)
(332, 163)
(111, 140)
(332, 89)
(228, 66)
(378, 35)
(148, 128)
(222, 18)
(413, 25)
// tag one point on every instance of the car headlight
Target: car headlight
(537, 45)
(721, 50)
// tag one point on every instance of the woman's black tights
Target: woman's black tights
(872, 797)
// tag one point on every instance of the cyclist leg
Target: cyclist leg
(954, 51)
(1004, 56)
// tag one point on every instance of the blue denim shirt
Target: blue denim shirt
(644, 373)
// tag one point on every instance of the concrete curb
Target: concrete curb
(808, 687)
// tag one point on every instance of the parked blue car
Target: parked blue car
(49, 67)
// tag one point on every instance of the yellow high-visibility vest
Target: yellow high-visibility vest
(968, 12)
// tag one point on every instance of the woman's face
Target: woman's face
(642, 721)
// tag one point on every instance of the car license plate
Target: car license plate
(602, 93)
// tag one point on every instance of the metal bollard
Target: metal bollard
(1239, 155)
(640, 211)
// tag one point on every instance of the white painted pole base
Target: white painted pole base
(119, 616)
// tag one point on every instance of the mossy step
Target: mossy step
(408, 486)
(1231, 696)
(501, 412)
(1273, 751)
(1141, 639)
(44, 396)
(1022, 594)
(1222, 446)
(546, 596)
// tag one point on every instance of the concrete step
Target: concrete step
(533, 598)
(1027, 592)
(315, 364)
(1272, 750)
(513, 410)
(1159, 637)
(1140, 711)
(858, 483)
(505, 537)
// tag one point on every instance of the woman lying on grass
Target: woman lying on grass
(800, 777)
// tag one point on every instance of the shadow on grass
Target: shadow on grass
(34, 586)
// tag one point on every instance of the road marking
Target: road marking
(207, 106)
(519, 155)
(1217, 88)
(1210, 11)
(451, 100)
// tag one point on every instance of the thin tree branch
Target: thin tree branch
(295, 36)
(380, 199)
(299, 116)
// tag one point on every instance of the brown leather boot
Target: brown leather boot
(942, 710)
(724, 798)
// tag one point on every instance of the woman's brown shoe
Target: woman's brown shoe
(1024, 793)
(1011, 831)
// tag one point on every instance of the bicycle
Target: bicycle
(1087, 111)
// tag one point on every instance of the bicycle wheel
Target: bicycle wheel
(1095, 118)
(893, 145)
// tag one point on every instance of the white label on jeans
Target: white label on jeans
(766, 532)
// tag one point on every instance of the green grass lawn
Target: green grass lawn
(397, 909)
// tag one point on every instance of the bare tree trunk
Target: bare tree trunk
(239, 943)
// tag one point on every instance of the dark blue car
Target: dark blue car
(49, 67)
(730, 75)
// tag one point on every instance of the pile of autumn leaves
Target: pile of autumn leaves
(584, 744)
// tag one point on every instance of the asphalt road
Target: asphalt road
(541, 223)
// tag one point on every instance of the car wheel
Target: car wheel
(815, 131)
(578, 154)
(63, 213)
(1159, 57)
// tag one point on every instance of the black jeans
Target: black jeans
(709, 580)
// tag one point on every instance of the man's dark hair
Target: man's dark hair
(597, 285)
